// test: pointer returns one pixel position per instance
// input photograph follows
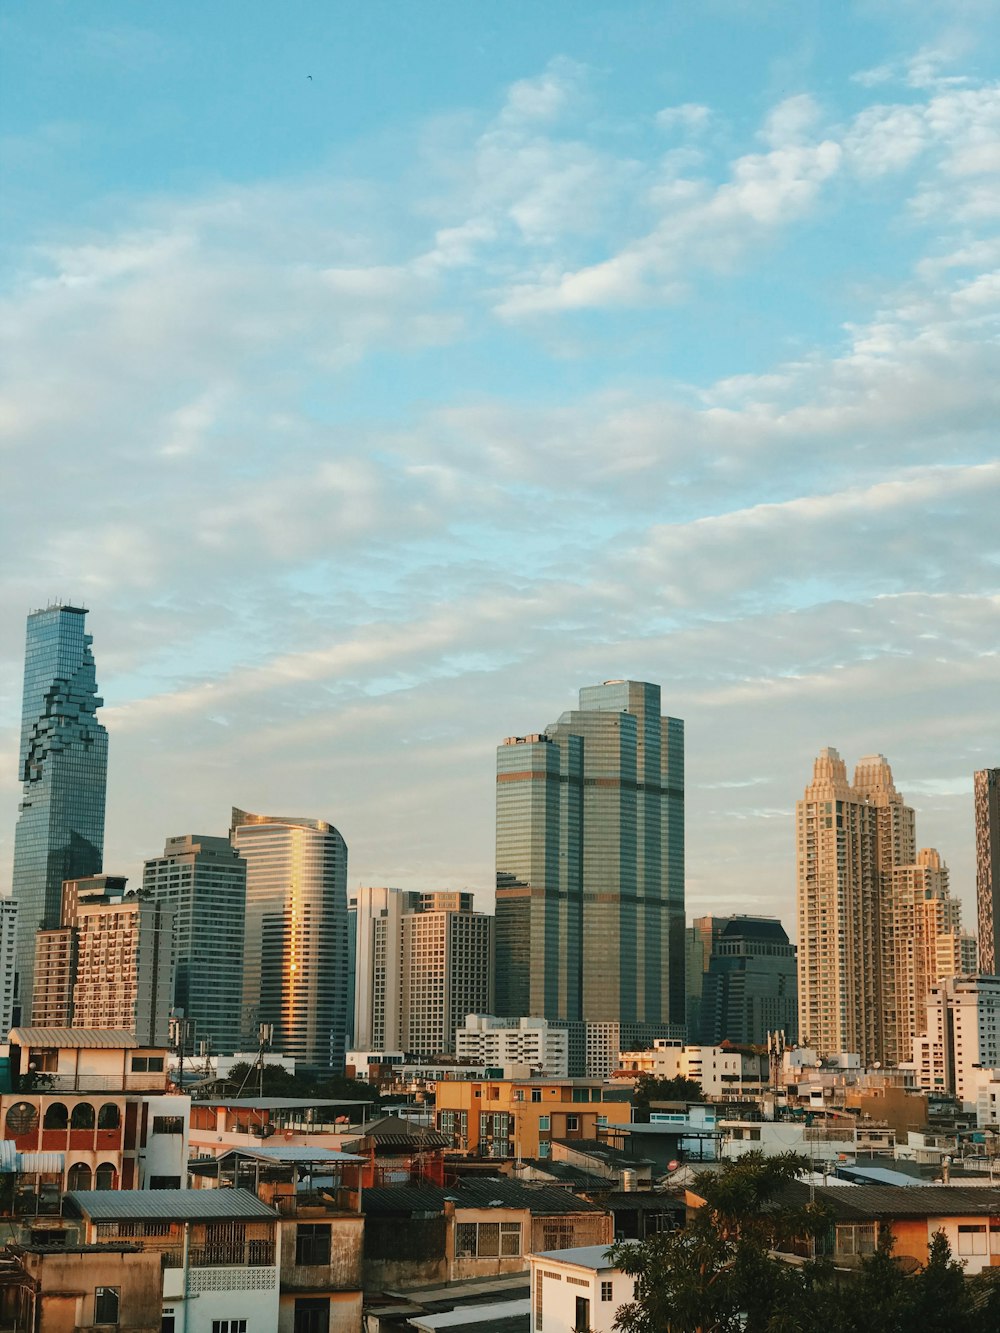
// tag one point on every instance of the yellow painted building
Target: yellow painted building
(520, 1117)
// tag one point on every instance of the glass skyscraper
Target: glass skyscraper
(590, 863)
(63, 765)
(203, 881)
(295, 974)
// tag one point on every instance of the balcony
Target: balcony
(249, 1254)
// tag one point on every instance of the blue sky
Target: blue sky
(520, 346)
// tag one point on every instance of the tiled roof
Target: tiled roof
(108, 1038)
(169, 1205)
(540, 1200)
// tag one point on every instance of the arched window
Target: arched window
(106, 1177)
(56, 1116)
(79, 1177)
(82, 1117)
(22, 1118)
(109, 1116)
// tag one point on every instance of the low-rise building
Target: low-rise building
(218, 1249)
(577, 1288)
(89, 1110)
(474, 1228)
(521, 1117)
(722, 1072)
(543, 1047)
(61, 1290)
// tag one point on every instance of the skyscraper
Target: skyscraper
(203, 881)
(590, 863)
(986, 795)
(63, 765)
(295, 964)
(747, 987)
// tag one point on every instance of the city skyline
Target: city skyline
(371, 412)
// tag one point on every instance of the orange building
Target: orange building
(520, 1117)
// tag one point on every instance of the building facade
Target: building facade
(375, 915)
(747, 985)
(295, 976)
(108, 965)
(203, 882)
(484, 1039)
(927, 945)
(8, 962)
(961, 1042)
(986, 798)
(848, 839)
(590, 863)
(63, 765)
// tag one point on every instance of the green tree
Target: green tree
(649, 1088)
(719, 1274)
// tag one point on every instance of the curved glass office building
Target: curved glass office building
(63, 764)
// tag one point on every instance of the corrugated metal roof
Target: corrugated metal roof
(109, 1038)
(293, 1152)
(168, 1205)
(886, 1202)
(276, 1103)
(540, 1200)
(594, 1257)
(8, 1156)
(47, 1163)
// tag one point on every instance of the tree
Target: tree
(649, 1088)
(719, 1274)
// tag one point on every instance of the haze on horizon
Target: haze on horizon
(374, 413)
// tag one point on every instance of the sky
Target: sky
(379, 374)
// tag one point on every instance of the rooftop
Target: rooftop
(475, 1192)
(230, 1205)
(594, 1257)
(107, 1038)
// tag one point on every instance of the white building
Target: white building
(720, 1071)
(498, 1042)
(961, 1045)
(575, 1289)
(8, 941)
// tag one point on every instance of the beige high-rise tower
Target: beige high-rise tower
(848, 838)
(928, 945)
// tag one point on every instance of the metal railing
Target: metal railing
(251, 1254)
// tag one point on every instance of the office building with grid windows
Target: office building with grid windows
(590, 863)
(203, 881)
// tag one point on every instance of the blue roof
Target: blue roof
(169, 1205)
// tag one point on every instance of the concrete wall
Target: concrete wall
(343, 1273)
(401, 1251)
(69, 1282)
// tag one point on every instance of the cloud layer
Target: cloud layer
(360, 474)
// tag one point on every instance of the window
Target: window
(607, 1291)
(581, 1324)
(168, 1323)
(168, 1124)
(109, 1117)
(83, 1116)
(106, 1177)
(153, 1064)
(539, 1288)
(536, 1094)
(544, 1122)
(56, 1116)
(312, 1315)
(43, 1061)
(106, 1303)
(312, 1243)
(164, 1183)
(572, 1123)
(229, 1326)
(972, 1239)
(487, 1240)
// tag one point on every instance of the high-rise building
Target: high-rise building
(376, 917)
(747, 987)
(960, 1046)
(8, 943)
(203, 881)
(590, 863)
(108, 964)
(986, 796)
(63, 764)
(848, 838)
(927, 945)
(424, 961)
(295, 976)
